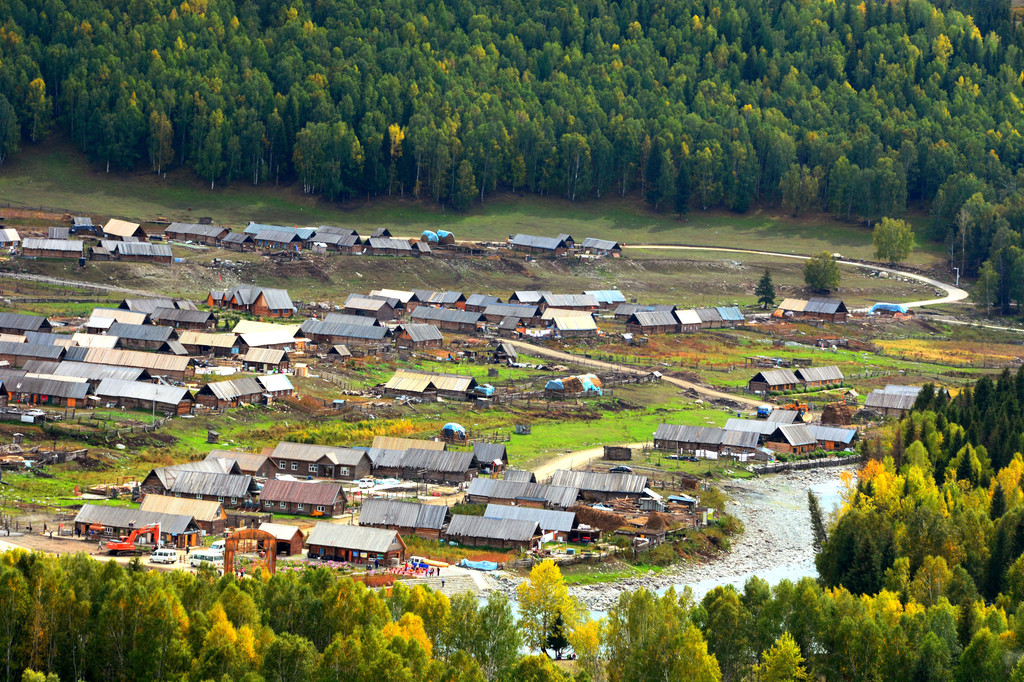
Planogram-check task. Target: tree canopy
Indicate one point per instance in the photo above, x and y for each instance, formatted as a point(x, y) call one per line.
point(821, 272)
point(894, 240)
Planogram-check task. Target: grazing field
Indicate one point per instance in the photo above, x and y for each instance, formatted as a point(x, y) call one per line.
point(55, 174)
point(954, 353)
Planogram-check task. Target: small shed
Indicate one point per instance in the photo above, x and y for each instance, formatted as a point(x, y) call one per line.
point(289, 538)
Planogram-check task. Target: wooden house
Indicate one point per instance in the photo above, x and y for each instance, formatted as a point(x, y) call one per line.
point(52, 248)
point(211, 235)
point(289, 538)
point(773, 380)
point(418, 336)
point(303, 497)
point(819, 377)
point(408, 518)
point(320, 461)
point(480, 531)
point(355, 544)
point(209, 515)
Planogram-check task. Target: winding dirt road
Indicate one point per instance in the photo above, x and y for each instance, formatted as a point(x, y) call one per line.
point(953, 294)
point(627, 369)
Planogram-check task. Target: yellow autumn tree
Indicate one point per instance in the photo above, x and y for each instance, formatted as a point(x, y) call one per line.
point(783, 661)
point(409, 628)
point(543, 597)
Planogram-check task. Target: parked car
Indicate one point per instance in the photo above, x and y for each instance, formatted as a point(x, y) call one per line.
point(621, 470)
point(164, 556)
point(365, 482)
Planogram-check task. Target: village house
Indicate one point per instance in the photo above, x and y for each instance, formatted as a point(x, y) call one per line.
point(16, 323)
point(140, 395)
point(94, 374)
point(364, 306)
point(892, 401)
point(254, 464)
point(209, 515)
point(355, 544)
point(265, 360)
point(599, 487)
point(607, 299)
point(680, 439)
point(195, 232)
point(827, 309)
point(418, 336)
point(44, 389)
point(219, 344)
point(140, 336)
point(479, 531)
point(574, 325)
point(325, 333)
point(601, 247)
point(140, 252)
point(432, 466)
point(199, 320)
point(477, 303)
point(203, 480)
point(340, 243)
point(521, 493)
point(819, 377)
point(504, 353)
point(282, 338)
point(832, 437)
point(407, 382)
point(440, 299)
point(664, 322)
point(238, 241)
point(408, 518)
point(546, 246)
point(102, 521)
point(794, 439)
point(772, 381)
point(275, 386)
point(709, 318)
point(625, 310)
point(175, 367)
point(689, 321)
point(33, 247)
point(289, 538)
point(459, 321)
point(230, 393)
point(123, 230)
point(386, 246)
point(320, 461)
point(492, 456)
point(16, 354)
point(258, 301)
point(557, 526)
point(303, 497)
point(584, 302)
point(526, 313)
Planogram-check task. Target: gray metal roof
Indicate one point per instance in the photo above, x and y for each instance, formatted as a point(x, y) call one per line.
point(32, 350)
point(332, 229)
point(361, 538)
point(606, 295)
point(833, 433)
point(795, 434)
point(904, 390)
point(24, 323)
point(488, 453)
point(759, 426)
point(549, 519)
point(512, 310)
point(739, 439)
point(281, 531)
point(47, 338)
point(237, 238)
point(302, 492)
point(343, 330)
point(143, 249)
point(91, 371)
point(600, 244)
point(519, 476)
point(730, 313)
point(233, 388)
point(378, 512)
point(600, 482)
point(124, 517)
point(389, 244)
point(306, 452)
point(438, 297)
point(368, 303)
point(708, 314)
point(883, 400)
point(445, 315)
point(528, 296)
point(570, 301)
point(206, 483)
point(140, 332)
point(627, 309)
point(278, 299)
point(257, 230)
point(420, 333)
point(275, 383)
point(481, 300)
point(194, 230)
point(444, 461)
point(277, 237)
point(178, 315)
point(776, 377)
point(829, 373)
point(47, 385)
point(268, 356)
point(531, 241)
point(783, 416)
point(681, 433)
point(827, 306)
point(147, 305)
point(480, 527)
point(141, 390)
point(381, 232)
point(552, 495)
point(82, 221)
point(344, 318)
point(653, 319)
point(53, 244)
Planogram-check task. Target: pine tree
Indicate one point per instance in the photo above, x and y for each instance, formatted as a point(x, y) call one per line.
point(683, 189)
point(765, 290)
point(818, 530)
point(998, 506)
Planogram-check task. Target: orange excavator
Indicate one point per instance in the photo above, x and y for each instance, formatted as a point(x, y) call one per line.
point(126, 543)
point(800, 408)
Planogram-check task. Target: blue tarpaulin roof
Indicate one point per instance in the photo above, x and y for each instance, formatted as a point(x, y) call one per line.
point(485, 389)
point(431, 236)
point(554, 385)
point(730, 313)
point(888, 308)
point(452, 427)
point(588, 384)
point(444, 233)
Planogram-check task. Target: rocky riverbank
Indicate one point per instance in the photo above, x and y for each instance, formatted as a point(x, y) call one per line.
point(776, 542)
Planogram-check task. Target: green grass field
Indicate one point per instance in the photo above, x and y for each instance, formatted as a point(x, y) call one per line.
point(56, 175)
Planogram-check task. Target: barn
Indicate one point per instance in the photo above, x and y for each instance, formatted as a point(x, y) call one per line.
point(408, 518)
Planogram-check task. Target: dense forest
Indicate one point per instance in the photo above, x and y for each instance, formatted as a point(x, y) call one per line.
point(857, 108)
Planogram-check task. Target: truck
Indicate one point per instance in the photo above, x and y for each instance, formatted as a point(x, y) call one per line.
point(763, 411)
point(126, 543)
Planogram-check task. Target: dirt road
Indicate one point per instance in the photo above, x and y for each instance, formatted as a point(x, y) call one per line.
point(573, 460)
point(681, 383)
point(953, 294)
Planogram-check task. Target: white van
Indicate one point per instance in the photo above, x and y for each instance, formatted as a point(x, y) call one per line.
point(164, 556)
point(196, 559)
point(218, 546)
